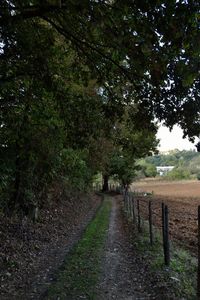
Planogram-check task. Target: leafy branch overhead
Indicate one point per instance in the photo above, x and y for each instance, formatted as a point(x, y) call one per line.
point(74, 72)
point(149, 48)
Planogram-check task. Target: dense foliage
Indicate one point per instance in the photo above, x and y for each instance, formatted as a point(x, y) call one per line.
point(81, 83)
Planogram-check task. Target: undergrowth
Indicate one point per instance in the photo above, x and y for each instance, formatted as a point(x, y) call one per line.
point(80, 272)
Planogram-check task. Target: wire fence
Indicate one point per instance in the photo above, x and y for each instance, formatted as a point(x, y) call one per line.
point(138, 209)
point(140, 206)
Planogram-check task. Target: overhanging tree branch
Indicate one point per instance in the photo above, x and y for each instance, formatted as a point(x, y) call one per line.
point(28, 12)
point(79, 42)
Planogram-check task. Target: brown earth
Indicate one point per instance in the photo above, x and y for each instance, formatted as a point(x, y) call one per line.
point(182, 199)
point(30, 254)
point(184, 188)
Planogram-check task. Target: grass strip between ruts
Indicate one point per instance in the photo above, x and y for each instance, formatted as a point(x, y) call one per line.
point(80, 272)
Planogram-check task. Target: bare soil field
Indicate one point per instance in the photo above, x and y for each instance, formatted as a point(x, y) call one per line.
point(182, 199)
point(184, 188)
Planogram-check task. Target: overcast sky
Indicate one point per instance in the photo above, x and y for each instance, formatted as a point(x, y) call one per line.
point(173, 140)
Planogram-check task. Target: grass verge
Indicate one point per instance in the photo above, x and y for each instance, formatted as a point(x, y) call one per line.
point(80, 272)
point(180, 276)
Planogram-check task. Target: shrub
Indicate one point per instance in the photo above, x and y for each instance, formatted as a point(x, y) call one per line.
point(178, 174)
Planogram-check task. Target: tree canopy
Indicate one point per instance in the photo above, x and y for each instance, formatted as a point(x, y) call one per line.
point(186, 164)
point(146, 50)
point(70, 73)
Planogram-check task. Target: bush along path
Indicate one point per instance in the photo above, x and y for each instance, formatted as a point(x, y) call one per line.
point(106, 264)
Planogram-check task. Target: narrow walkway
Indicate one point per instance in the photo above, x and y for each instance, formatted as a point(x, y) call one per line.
point(122, 276)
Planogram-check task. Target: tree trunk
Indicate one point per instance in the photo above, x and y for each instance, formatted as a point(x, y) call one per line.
point(15, 196)
point(22, 151)
point(105, 183)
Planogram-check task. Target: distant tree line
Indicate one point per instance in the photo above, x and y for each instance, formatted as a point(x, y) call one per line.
point(186, 164)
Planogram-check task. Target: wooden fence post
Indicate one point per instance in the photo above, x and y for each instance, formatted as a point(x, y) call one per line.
point(129, 205)
point(124, 194)
point(198, 270)
point(167, 246)
point(165, 232)
point(150, 224)
point(133, 208)
point(125, 200)
point(163, 226)
point(138, 211)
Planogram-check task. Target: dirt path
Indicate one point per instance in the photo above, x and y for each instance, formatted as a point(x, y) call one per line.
point(122, 274)
point(125, 271)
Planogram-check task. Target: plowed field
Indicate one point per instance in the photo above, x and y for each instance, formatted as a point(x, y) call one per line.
point(182, 199)
point(184, 188)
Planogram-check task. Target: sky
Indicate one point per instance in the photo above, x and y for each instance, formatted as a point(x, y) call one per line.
point(173, 140)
